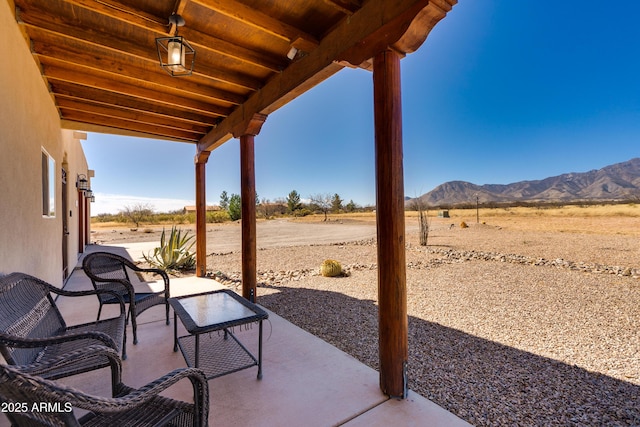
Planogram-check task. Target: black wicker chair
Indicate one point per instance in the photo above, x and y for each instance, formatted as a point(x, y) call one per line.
point(31, 400)
point(109, 271)
point(32, 328)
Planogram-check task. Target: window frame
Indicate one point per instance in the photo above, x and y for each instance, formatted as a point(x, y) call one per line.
point(48, 166)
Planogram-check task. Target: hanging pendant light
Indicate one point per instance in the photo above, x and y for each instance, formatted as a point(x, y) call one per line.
point(175, 53)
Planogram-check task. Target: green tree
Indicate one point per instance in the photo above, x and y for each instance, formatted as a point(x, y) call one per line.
point(235, 207)
point(336, 203)
point(293, 201)
point(351, 207)
point(224, 201)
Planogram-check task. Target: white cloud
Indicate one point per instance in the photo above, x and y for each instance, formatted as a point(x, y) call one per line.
point(114, 203)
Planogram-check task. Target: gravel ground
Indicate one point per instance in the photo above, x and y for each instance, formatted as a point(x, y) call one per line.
point(507, 326)
point(496, 339)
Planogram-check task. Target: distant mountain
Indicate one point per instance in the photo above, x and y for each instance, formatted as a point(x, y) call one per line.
point(616, 182)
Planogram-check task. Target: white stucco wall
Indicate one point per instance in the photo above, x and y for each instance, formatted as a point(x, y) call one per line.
point(29, 122)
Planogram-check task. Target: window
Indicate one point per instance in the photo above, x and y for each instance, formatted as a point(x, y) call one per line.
point(48, 185)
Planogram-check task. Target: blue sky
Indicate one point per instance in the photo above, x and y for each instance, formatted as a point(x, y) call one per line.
point(501, 91)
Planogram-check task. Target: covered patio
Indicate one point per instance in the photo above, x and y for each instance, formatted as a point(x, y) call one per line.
point(110, 67)
point(306, 380)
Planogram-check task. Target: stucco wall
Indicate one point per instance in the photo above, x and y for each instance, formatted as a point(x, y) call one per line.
point(29, 123)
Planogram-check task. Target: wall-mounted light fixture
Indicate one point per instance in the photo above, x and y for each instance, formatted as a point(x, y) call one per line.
point(81, 183)
point(175, 53)
point(89, 195)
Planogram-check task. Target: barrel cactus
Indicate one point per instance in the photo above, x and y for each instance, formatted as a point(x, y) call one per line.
point(330, 268)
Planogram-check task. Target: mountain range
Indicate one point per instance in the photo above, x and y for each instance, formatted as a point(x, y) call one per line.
point(615, 182)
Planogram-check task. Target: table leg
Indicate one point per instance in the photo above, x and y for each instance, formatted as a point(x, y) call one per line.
point(175, 331)
point(260, 351)
point(197, 355)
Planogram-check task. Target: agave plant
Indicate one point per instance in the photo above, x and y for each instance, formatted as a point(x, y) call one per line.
point(174, 252)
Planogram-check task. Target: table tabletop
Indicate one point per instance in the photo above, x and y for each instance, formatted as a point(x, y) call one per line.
point(210, 311)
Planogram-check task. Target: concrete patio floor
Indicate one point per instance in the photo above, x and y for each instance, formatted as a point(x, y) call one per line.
point(306, 381)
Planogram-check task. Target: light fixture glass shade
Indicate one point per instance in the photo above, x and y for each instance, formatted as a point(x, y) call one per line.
point(176, 55)
point(82, 184)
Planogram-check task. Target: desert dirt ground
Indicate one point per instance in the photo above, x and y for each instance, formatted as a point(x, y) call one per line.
point(526, 317)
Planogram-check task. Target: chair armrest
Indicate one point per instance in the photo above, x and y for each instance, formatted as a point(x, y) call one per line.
point(66, 293)
point(198, 381)
point(161, 273)
point(195, 375)
point(69, 359)
point(19, 342)
point(135, 398)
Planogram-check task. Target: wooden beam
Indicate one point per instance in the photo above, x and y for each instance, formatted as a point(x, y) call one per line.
point(39, 21)
point(55, 73)
point(257, 19)
point(248, 198)
point(89, 95)
point(141, 19)
point(340, 44)
point(392, 286)
point(232, 50)
point(201, 214)
point(102, 63)
point(348, 7)
point(97, 119)
point(122, 12)
point(124, 114)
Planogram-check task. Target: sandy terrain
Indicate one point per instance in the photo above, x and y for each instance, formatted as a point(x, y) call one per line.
point(522, 320)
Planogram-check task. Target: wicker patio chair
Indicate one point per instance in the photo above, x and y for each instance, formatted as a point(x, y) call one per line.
point(54, 403)
point(109, 271)
point(32, 328)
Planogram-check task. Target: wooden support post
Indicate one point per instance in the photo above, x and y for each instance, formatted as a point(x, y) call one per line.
point(248, 196)
point(201, 214)
point(392, 290)
point(246, 133)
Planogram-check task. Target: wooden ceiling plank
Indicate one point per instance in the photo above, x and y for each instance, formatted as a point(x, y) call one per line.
point(125, 13)
point(53, 24)
point(214, 44)
point(98, 96)
point(348, 7)
point(55, 73)
point(129, 15)
point(103, 63)
point(257, 19)
point(350, 34)
point(132, 125)
point(129, 125)
point(123, 113)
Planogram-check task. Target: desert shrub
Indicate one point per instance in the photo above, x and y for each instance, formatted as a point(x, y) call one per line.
point(171, 217)
point(302, 212)
point(173, 253)
point(104, 217)
point(463, 225)
point(218, 217)
point(330, 268)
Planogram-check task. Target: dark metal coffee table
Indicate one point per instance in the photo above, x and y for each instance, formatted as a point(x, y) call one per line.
point(216, 313)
